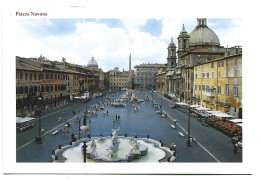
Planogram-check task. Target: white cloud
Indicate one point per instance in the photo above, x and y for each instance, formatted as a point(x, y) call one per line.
point(110, 46)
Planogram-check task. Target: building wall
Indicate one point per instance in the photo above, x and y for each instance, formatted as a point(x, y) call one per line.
point(161, 80)
point(145, 76)
point(218, 85)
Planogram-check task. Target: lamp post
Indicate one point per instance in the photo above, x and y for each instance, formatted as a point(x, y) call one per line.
point(84, 150)
point(84, 127)
point(188, 140)
point(39, 139)
point(79, 127)
point(189, 102)
point(89, 126)
point(152, 96)
point(161, 103)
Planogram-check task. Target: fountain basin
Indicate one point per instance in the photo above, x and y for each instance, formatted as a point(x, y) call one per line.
point(148, 151)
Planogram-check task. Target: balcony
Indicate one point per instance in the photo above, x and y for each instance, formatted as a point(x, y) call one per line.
point(210, 92)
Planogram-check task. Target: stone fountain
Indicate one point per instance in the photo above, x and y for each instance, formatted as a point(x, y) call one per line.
point(115, 149)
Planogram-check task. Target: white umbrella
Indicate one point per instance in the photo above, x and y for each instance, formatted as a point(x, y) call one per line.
point(202, 108)
point(183, 104)
point(194, 106)
point(236, 120)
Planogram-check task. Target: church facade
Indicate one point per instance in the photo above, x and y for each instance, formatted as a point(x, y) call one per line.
point(187, 82)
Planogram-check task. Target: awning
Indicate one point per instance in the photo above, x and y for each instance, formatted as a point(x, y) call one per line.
point(21, 120)
point(182, 104)
point(236, 120)
point(220, 114)
point(202, 108)
point(195, 106)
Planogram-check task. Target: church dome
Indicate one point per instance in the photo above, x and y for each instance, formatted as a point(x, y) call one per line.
point(92, 63)
point(202, 35)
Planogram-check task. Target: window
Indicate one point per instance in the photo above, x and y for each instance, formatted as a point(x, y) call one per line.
point(21, 76)
point(46, 76)
point(218, 64)
point(200, 87)
point(34, 76)
point(222, 63)
point(30, 76)
point(26, 89)
point(203, 75)
point(26, 76)
point(235, 91)
point(196, 76)
point(212, 74)
point(226, 72)
point(195, 87)
point(235, 73)
point(207, 87)
point(212, 64)
point(226, 89)
point(226, 62)
point(219, 73)
point(207, 75)
point(219, 89)
point(235, 61)
point(203, 88)
point(51, 76)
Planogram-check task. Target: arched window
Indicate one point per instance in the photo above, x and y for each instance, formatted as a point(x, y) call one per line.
point(35, 89)
point(26, 89)
point(30, 90)
point(20, 90)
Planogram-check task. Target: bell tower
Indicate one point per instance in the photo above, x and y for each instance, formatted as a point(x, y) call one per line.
point(171, 59)
point(183, 42)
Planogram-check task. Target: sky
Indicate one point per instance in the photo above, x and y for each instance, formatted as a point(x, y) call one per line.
point(110, 41)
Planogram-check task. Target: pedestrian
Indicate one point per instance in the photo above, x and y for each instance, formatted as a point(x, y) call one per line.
point(113, 121)
point(42, 131)
point(116, 117)
point(73, 137)
point(67, 131)
point(59, 120)
point(107, 111)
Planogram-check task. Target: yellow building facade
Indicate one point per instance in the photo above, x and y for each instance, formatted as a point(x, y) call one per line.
point(161, 80)
point(218, 83)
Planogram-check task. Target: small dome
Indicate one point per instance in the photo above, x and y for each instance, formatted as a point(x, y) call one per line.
point(92, 63)
point(202, 35)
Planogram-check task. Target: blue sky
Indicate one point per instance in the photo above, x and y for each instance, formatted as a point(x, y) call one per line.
point(110, 41)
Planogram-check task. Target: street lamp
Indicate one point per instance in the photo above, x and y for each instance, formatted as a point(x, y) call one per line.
point(84, 127)
point(79, 127)
point(161, 103)
point(39, 139)
point(189, 104)
point(90, 127)
point(84, 150)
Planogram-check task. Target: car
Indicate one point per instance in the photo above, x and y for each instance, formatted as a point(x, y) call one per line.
point(240, 143)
